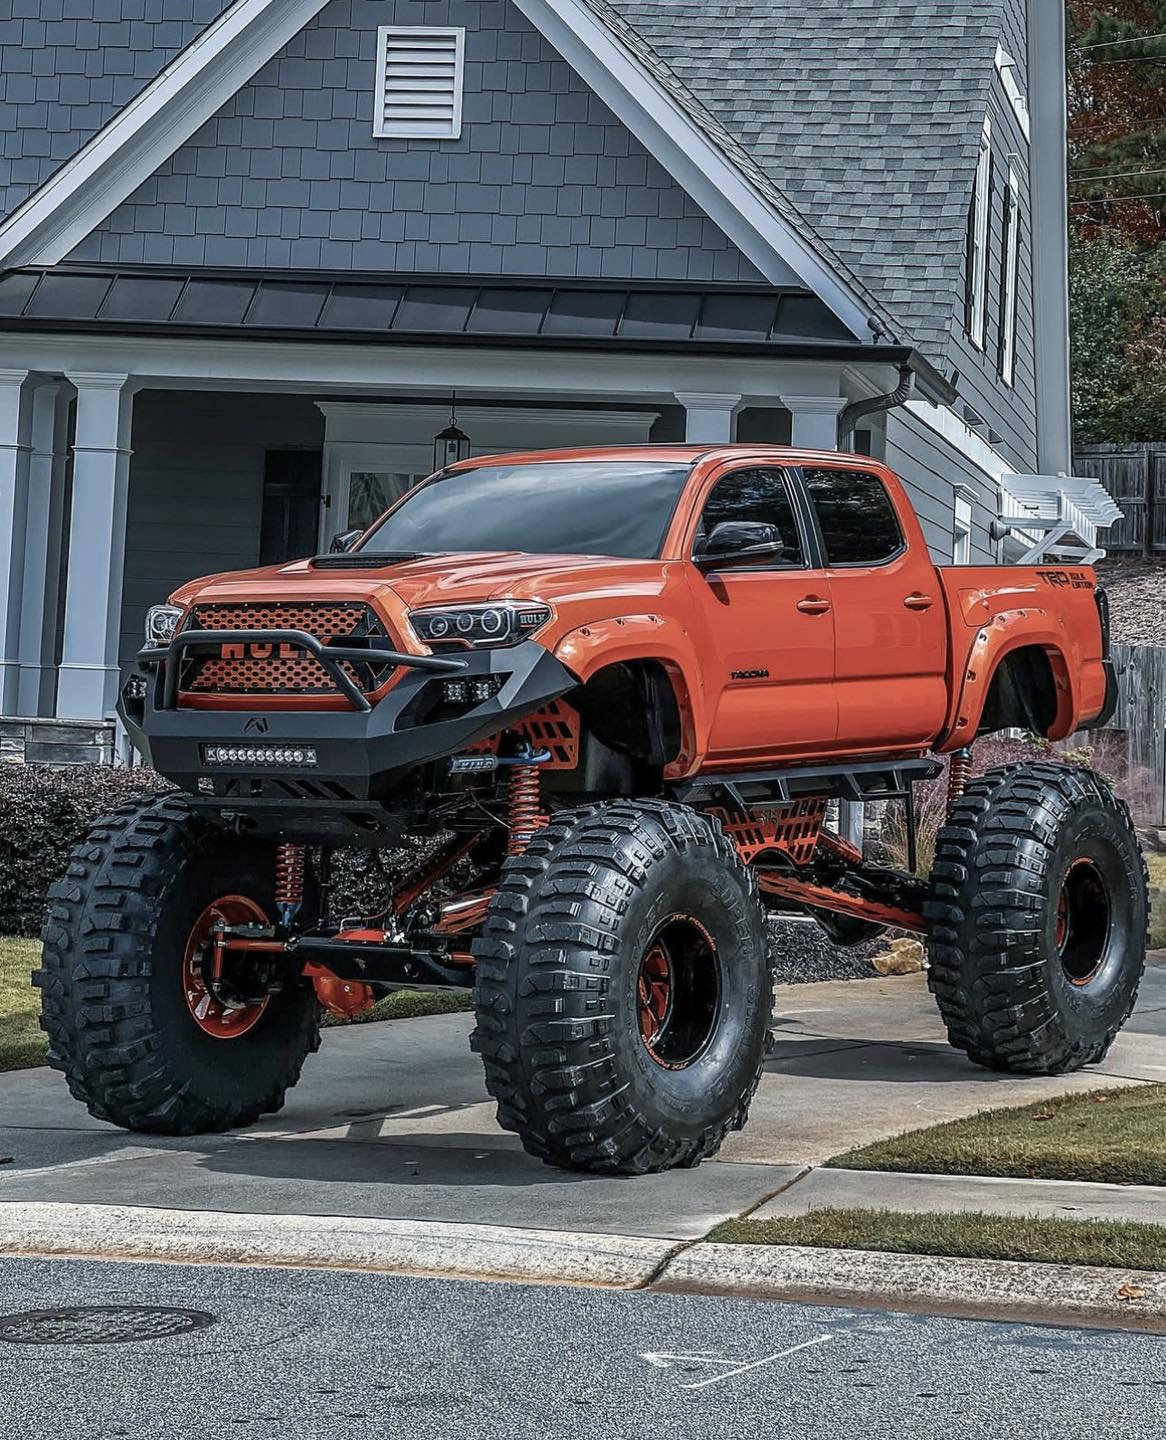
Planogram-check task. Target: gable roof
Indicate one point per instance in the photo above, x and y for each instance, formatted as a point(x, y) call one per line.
point(64, 76)
point(861, 119)
point(832, 142)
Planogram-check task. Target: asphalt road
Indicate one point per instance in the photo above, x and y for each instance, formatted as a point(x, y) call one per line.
point(306, 1354)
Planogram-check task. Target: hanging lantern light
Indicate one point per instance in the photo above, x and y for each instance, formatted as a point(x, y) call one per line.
point(452, 444)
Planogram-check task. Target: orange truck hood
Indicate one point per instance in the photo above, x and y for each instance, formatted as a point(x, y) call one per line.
point(582, 588)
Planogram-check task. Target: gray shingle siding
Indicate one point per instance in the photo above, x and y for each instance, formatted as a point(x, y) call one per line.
point(196, 488)
point(1011, 413)
point(544, 181)
point(68, 66)
point(933, 468)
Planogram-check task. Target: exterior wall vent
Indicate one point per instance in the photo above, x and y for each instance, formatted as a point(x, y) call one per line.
point(420, 78)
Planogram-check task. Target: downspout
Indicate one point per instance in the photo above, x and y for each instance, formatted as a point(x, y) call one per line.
point(859, 409)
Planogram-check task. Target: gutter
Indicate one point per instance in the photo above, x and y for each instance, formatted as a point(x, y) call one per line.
point(913, 371)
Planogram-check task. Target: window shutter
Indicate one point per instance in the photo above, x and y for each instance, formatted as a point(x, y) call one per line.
point(420, 76)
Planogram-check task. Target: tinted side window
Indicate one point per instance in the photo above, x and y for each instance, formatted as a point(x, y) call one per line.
point(759, 496)
point(859, 524)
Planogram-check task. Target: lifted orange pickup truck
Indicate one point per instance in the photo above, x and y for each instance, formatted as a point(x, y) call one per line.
point(608, 696)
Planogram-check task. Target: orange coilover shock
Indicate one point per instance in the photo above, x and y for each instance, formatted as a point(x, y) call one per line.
point(525, 815)
point(959, 772)
point(289, 882)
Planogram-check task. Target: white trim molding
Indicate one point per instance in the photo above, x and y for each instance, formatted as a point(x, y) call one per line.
point(961, 437)
point(692, 158)
point(1010, 279)
point(1007, 69)
point(139, 139)
point(980, 237)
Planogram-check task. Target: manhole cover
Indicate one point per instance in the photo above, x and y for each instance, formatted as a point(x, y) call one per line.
point(100, 1325)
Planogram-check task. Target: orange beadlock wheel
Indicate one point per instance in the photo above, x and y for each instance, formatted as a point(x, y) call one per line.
point(222, 1019)
point(678, 992)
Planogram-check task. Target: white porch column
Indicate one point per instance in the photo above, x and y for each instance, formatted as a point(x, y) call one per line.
point(15, 448)
point(87, 687)
point(42, 561)
point(709, 417)
point(815, 420)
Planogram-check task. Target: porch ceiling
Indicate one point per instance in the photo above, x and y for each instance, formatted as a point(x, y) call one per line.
point(759, 321)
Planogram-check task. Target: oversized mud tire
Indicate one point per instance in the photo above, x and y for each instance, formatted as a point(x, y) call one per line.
point(624, 990)
point(114, 992)
point(1038, 915)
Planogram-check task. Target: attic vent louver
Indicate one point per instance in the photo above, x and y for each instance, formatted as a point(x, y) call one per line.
point(420, 72)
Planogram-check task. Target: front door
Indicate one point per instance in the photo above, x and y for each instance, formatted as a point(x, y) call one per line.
point(768, 630)
point(889, 618)
point(291, 505)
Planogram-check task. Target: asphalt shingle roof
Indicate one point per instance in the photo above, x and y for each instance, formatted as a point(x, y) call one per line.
point(859, 119)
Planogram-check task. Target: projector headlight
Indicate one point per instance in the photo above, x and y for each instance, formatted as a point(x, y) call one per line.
point(162, 624)
point(505, 622)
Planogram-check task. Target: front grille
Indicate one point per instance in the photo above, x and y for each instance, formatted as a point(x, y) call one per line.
point(262, 669)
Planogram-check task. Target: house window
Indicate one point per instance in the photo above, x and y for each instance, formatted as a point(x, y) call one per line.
point(1010, 279)
point(979, 230)
point(420, 78)
point(961, 550)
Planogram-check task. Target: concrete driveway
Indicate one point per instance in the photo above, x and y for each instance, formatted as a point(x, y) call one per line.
point(393, 1121)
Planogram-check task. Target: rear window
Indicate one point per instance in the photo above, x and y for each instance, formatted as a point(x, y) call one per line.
point(618, 508)
point(858, 522)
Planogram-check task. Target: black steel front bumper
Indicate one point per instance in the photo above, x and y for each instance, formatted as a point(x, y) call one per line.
point(358, 753)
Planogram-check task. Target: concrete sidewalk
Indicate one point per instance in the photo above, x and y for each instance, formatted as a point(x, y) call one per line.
point(949, 1194)
point(393, 1122)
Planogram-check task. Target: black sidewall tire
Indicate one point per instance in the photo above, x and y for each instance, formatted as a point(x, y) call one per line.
point(680, 1101)
point(1102, 1004)
point(555, 989)
point(220, 1071)
point(112, 999)
point(995, 965)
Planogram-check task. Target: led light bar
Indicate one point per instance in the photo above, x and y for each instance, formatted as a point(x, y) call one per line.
point(296, 757)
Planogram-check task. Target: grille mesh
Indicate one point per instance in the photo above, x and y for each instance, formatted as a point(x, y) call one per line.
point(274, 670)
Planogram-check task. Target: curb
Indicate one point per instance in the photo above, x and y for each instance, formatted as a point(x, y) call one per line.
point(982, 1289)
point(407, 1247)
point(977, 1289)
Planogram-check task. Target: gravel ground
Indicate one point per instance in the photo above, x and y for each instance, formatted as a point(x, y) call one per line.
point(804, 954)
point(1137, 598)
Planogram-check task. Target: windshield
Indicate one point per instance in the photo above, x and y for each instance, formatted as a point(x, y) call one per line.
point(619, 508)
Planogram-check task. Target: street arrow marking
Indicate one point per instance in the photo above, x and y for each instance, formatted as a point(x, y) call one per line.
point(665, 1361)
point(757, 1364)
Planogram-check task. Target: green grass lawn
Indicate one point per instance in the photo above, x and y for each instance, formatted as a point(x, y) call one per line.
point(410, 1004)
point(1114, 1136)
point(982, 1237)
point(22, 1042)
point(1156, 864)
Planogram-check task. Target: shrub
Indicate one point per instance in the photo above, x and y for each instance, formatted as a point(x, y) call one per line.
point(1104, 753)
point(44, 813)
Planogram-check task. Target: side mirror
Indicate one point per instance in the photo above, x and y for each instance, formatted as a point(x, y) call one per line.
point(738, 541)
point(342, 543)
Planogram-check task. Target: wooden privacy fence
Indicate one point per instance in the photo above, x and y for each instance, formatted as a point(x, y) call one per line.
point(1135, 475)
point(1137, 732)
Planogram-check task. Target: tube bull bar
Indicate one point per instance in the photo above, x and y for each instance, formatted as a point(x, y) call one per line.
point(331, 658)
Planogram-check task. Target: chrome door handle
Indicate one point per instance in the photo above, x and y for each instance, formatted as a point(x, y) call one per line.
point(919, 602)
point(814, 605)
